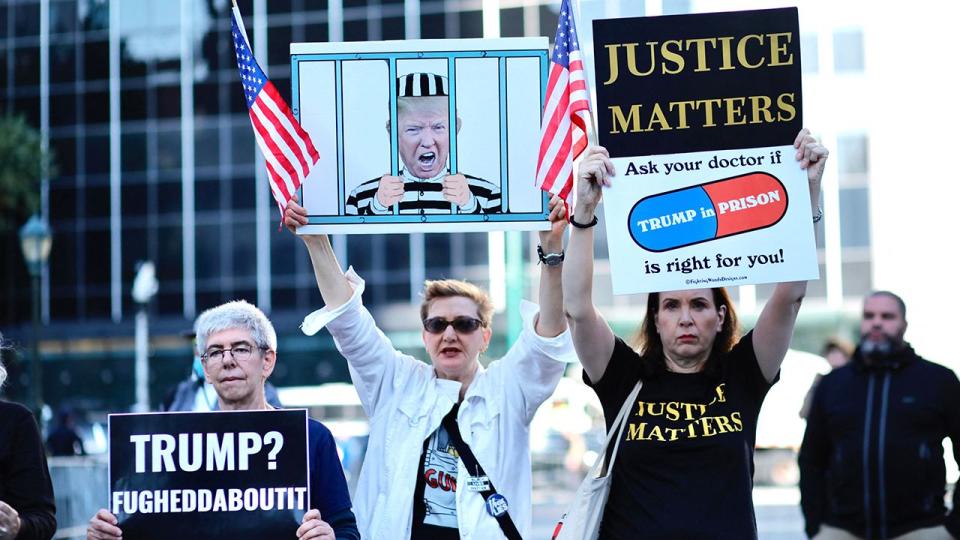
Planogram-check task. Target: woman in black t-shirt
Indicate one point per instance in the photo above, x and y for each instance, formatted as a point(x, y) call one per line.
point(685, 465)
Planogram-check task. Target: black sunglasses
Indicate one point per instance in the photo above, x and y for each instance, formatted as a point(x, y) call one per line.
point(461, 325)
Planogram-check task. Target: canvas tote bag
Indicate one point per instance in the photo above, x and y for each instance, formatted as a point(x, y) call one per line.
point(582, 518)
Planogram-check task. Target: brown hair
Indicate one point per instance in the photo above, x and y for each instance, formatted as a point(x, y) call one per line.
point(838, 343)
point(647, 341)
point(448, 288)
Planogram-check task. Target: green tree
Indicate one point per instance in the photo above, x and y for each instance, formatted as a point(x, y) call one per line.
point(22, 164)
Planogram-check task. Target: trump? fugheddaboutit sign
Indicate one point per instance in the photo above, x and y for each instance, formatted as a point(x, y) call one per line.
point(699, 113)
point(238, 475)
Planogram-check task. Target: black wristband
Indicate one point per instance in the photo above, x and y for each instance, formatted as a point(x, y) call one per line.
point(584, 225)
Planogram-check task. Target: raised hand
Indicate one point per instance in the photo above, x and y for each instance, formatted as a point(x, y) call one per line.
point(294, 215)
point(552, 240)
point(594, 173)
point(812, 156)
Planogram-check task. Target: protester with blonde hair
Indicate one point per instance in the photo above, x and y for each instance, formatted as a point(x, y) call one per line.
point(449, 452)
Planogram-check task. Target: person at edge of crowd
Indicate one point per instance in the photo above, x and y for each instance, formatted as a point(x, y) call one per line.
point(871, 461)
point(837, 352)
point(412, 484)
point(27, 509)
point(64, 441)
point(196, 394)
point(240, 353)
point(685, 462)
point(423, 136)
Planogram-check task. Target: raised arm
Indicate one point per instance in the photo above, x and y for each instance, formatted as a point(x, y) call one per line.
point(551, 322)
point(592, 336)
point(334, 287)
point(771, 336)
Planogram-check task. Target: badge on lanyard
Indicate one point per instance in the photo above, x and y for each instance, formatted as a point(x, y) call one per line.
point(478, 484)
point(497, 505)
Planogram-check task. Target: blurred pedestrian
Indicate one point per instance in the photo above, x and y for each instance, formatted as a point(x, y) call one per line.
point(239, 347)
point(64, 440)
point(684, 468)
point(837, 352)
point(27, 510)
point(871, 462)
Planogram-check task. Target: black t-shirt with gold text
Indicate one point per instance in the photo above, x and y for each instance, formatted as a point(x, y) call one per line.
point(685, 465)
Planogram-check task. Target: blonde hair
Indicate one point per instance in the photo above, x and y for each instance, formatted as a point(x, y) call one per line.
point(448, 288)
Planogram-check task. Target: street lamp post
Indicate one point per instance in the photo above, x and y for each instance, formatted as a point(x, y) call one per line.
point(35, 242)
point(144, 287)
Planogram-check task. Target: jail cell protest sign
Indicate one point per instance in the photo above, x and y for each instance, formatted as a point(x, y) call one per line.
point(424, 111)
point(238, 475)
point(699, 113)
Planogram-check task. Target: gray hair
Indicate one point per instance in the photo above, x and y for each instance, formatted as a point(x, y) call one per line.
point(236, 314)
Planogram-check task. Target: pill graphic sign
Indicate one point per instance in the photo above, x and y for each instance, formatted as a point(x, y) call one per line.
point(709, 219)
point(709, 211)
point(699, 113)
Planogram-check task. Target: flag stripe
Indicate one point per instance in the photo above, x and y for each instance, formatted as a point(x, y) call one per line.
point(284, 123)
point(272, 151)
point(563, 134)
point(288, 152)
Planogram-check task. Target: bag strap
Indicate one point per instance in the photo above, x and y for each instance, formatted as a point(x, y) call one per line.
point(449, 423)
point(616, 428)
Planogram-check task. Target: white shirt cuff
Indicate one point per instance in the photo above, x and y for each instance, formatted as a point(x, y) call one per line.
point(315, 321)
point(560, 348)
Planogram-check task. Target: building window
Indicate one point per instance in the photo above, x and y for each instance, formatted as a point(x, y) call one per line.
point(855, 217)
point(676, 7)
point(848, 51)
point(810, 53)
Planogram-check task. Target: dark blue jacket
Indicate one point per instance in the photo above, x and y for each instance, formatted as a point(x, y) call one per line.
point(328, 487)
point(871, 461)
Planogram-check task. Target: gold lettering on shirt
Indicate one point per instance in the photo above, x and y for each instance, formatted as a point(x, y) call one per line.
point(690, 420)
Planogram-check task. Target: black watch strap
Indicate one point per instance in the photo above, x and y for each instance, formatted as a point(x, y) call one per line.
point(550, 259)
point(584, 225)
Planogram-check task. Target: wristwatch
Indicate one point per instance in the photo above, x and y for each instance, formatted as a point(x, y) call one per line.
point(549, 259)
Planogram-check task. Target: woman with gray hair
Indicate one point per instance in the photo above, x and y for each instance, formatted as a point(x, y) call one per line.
point(27, 511)
point(238, 347)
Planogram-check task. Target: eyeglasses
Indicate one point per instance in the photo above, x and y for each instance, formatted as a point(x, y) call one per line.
point(240, 353)
point(461, 325)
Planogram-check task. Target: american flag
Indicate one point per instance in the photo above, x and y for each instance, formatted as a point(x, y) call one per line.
point(288, 150)
point(563, 131)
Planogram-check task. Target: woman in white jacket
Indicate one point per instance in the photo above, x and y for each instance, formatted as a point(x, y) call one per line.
point(412, 484)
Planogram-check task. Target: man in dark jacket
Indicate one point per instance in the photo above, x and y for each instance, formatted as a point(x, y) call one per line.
point(871, 463)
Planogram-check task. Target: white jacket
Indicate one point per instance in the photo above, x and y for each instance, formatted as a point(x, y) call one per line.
point(405, 402)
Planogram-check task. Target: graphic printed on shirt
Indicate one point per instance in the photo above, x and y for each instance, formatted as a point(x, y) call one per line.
point(440, 481)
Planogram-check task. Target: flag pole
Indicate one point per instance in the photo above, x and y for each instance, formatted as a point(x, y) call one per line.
point(592, 132)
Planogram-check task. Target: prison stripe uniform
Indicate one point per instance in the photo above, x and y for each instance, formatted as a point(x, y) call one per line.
point(425, 197)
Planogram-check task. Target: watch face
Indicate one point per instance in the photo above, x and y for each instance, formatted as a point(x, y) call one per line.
point(549, 259)
point(553, 259)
